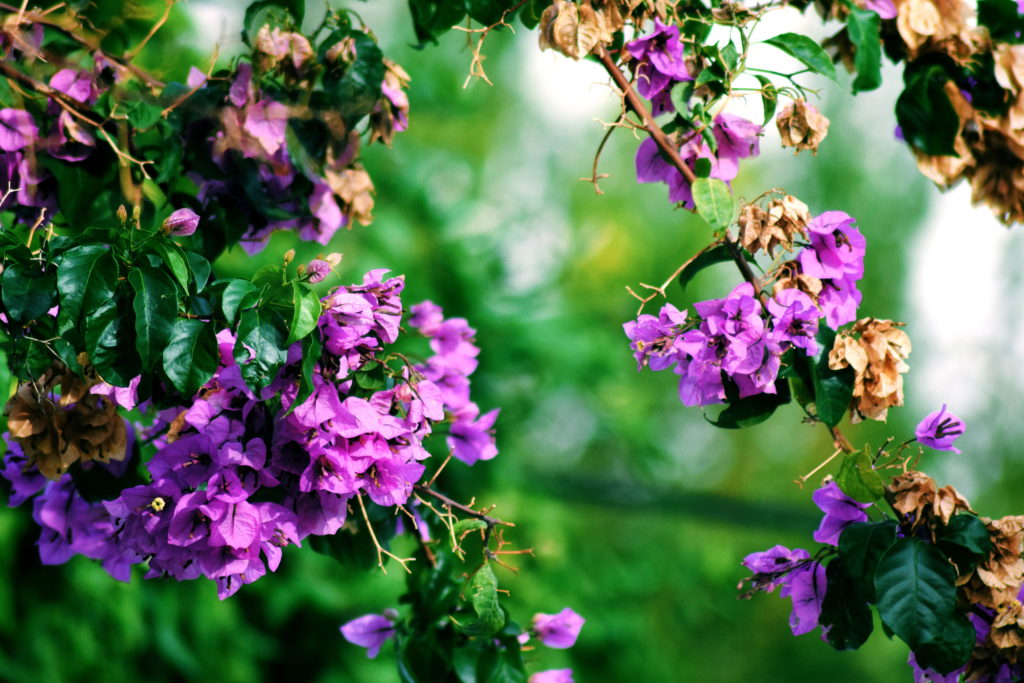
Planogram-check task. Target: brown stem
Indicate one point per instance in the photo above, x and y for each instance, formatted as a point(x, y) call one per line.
point(491, 521)
point(649, 124)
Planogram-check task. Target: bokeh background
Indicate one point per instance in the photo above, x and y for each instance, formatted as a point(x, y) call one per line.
point(638, 510)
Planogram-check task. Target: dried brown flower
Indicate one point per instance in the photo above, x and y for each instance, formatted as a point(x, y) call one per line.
point(801, 126)
point(785, 220)
point(876, 350)
point(571, 29)
point(997, 579)
point(354, 187)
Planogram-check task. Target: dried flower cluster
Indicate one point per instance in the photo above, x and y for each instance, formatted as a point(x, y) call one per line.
point(783, 221)
point(877, 351)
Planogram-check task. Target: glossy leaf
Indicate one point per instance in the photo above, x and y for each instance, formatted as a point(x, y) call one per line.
point(173, 258)
point(844, 609)
point(833, 389)
point(191, 355)
point(805, 50)
point(858, 479)
point(862, 545)
point(237, 296)
point(924, 112)
point(714, 202)
point(949, 650)
point(719, 254)
point(27, 292)
point(156, 308)
point(483, 595)
point(261, 348)
point(915, 591)
point(306, 311)
point(86, 280)
point(864, 29)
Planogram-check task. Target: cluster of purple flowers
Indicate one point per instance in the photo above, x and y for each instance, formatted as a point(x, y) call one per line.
point(836, 257)
point(660, 65)
point(735, 336)
point(233, 482)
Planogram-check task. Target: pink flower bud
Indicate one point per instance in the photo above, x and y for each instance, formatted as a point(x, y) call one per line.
point(182, 222)
point(318, 269)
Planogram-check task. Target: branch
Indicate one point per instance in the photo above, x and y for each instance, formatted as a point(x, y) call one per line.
point(491, 521)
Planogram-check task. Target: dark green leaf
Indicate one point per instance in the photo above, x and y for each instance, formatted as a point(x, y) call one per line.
point(719, 254)
point(283, 13)
point(264, 333)
point(86, 280)
point(951, 648)
point(806, 51)
point(862, 545)
point(858, 479)
point(311, 347)
point(967, 533)
point(200, 269)
point(191, 356)
point(1003, 20)
point(924, 112)
point(752, 410)
point(431, 18)
point(173, 259)
point(844, 609)
point(702, 168)
point(355, 94)
point(915, 590)
point(305, 312)
point(487, 12)
point(833, 389)
point(28, 292)
point(156, 310)
point(110, 342)
point(238, 295)
point(483, 595)
point(864, 28)
point(714, 202)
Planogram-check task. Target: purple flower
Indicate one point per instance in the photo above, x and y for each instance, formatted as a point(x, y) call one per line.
point(652, 338)
point(737, 137)
point(837, 248)
point(317, 270)
point(661, 60)
point(369, 631)
point(939, 429)
point(17, 129)
point(930, 676)
point(794, 320)
point(182, 222)
point(887, 10)
point(558, 630)
point(840, 511)
point(771, 567)
point(552, 676)
point(806, 588)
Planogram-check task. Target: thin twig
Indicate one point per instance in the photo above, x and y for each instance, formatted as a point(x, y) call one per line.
point(491, 521)
point(381, 551)
point(130, 55)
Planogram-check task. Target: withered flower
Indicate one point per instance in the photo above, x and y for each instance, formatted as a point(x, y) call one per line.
point(801, 126)
point(997, 579)
point(785, 220)
point(876, 350)
point(571, 29)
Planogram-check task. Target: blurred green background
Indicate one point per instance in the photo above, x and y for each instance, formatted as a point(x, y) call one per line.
point(638, 510)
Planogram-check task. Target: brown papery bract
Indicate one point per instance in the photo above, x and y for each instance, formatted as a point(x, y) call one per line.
point(877, 351)
point(801, 126)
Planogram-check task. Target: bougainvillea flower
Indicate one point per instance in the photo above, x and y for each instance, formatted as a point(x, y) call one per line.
point(370, 631)
point(806, 588)
point(558, 630)
point(661, 60)
point(939, 429)
point(182, 222)
point(17, 129)
point(840, 512)
point(887, 10)
point(794, 320)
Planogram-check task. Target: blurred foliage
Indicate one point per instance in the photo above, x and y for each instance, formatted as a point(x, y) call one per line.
point(639, 512)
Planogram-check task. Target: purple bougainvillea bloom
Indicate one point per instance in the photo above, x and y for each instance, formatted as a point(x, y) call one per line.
point(930, 676)
point(794, 320)
point(558, 630)
point(771, 567)
point(17, 129)
point(369, 631)
point(552, 676)
point(317, 270)
point(661, 60)
point(840, 511)
point(182, 222)
point(887, 10)
point(737, 137)
point(806, 588)
point(939, 430)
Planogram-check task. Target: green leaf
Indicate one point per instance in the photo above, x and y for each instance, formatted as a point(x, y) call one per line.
point(714, 202)
point(311, 348)
point(483, 594)
point(110, 342)
point(858, 479)
point(486, 12)
point(806, 51)
point(719, 254)
point(156, 309)
point(965, 535)
point(923, 110)
point(951, 648)
point(702, 168)
point(86, 280)
point(752, 410)
point(1003, 20)
point(200, 269)
point(464, 525)
point(862, 545)
point(864, 28)
point(833, 389)
point(306, 311)
point(355, 94)
point(27, 292)
point(238, 295)
point(191, 356)
point(431, 18)
point(273, 12)
point(173, 258)
point(769, 98)
point(844, 609)
point(263, 331)
point(915, 590)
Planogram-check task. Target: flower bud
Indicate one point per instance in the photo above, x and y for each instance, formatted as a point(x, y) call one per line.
point(333, 259)
point(289, 256)
point(181, 223)
point(122, 214)
point(318, 269)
